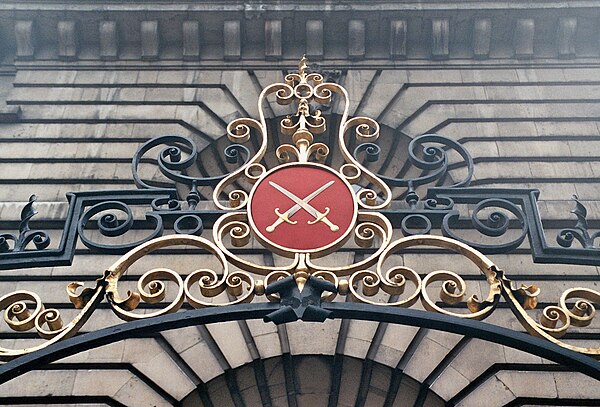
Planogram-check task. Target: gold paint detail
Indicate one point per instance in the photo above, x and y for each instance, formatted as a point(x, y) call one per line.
point(393, 280)
point(554, 320)
point(152, 288)
point(47, 322)
point(24, 310)
point(263, 238)
point(307, 91)
point(303, 204)
point(387, 285)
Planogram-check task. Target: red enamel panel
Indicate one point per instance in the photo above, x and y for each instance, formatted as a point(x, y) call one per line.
point(302, 181)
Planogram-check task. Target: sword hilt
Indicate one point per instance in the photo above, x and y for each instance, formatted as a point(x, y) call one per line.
point(323, 218)
point(281, 217)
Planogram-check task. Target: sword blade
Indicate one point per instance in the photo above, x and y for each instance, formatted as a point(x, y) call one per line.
point(294, 209)
point(301, 202)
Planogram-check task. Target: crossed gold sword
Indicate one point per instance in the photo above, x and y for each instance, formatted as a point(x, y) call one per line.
point(301, 204)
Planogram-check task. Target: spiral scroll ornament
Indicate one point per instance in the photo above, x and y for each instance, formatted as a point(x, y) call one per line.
point(20, 242)
point(394, 280)
point(115, 219)
point(576, 308)
point(304, 211)
point(24, 310)
point(495, 225)
point(580, 232)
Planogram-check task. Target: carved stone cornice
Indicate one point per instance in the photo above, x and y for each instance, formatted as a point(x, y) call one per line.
point(382, 31)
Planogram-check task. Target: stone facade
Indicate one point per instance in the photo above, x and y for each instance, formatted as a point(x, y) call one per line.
point(83, 84)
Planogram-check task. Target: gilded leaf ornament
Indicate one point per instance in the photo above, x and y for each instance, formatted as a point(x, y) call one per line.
point(302, 210)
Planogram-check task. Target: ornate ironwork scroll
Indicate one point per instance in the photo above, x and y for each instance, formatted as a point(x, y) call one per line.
point(300, 290)
point(40, 239)
point(304, 211)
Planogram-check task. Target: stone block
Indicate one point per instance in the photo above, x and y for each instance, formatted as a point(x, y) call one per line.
point(533, 148)
point(313, 338)
point(398, 30)
point(356, 39)
point(482, 35)
point(150, 40)
point(273, 39)
point(440, 38)
point(58, 382)
point(232, 343)
point(191, 40)
point(25, 39)
point(523, 37)
point(67, 40)
point(160, 368)
point(566, 36)
point(314, 39)
point(109, 40)
point(232, 40)
point(202, 360)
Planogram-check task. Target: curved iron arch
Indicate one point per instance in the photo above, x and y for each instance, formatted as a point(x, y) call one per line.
point(357, 311)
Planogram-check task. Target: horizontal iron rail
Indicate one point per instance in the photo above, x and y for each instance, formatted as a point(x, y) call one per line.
point(356, 311)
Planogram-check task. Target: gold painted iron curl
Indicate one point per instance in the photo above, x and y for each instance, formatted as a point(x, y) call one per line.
point(453, 286)
point(223, 227)
point(51, 318)
point(292, 78)
point(210, 286)
point(367, 197)
point(351, 173)
point(555, 321)
point(150, 285)
point(21, 318)
point(284, 94)
point(153, 281)
point(323, 93)
point(370, 225)
point(452, 291)
point(551, 317)
point(254, 172)
point(239, 130)
point(237, 199)
point(239, 232)
point(16, 313)
point(287, 126)
point(314, 78)
point(393, 282)
point(583, 311)
point(528, 295)
point(319, 151)
point(327, 276)
point(286, 153)
point(370, 286)
point(366, 129)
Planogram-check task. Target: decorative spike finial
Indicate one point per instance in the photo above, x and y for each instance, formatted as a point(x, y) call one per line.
point(303, 65)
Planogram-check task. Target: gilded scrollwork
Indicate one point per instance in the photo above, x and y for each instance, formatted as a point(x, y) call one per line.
point(554, 320)
point(365, 130)
point(151, 287)
point(24, 310)
point(232, 229)
point(306, 278)
point(393, 280)
point(372, 230)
